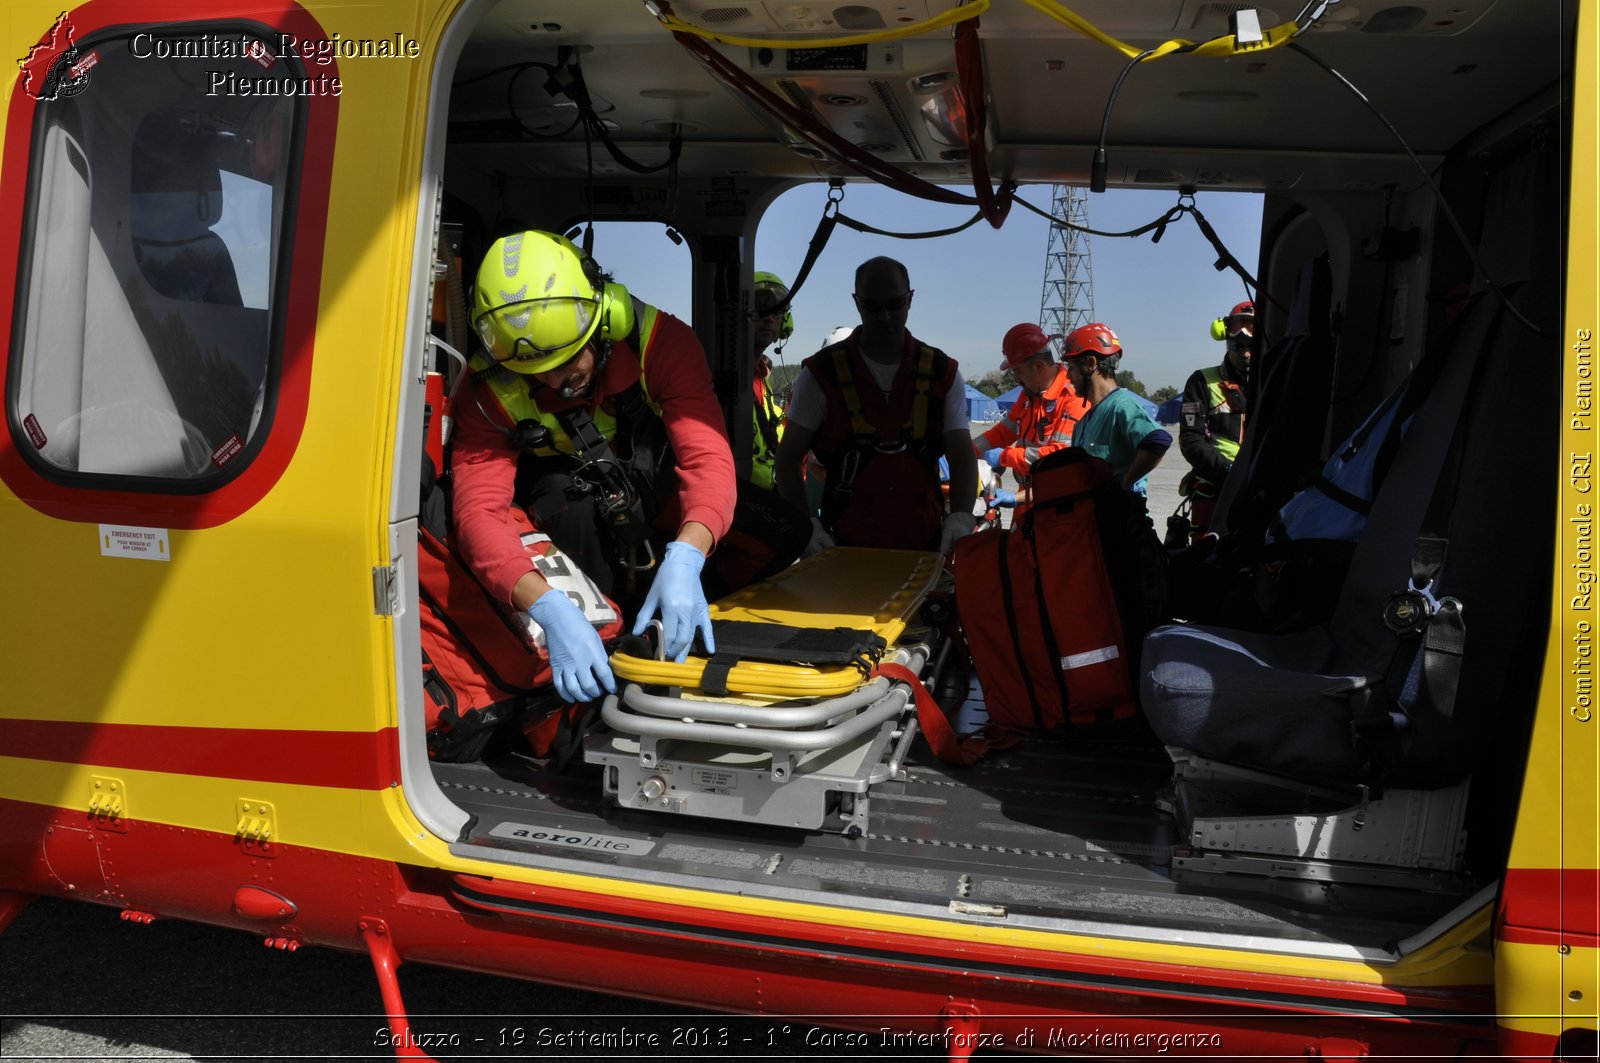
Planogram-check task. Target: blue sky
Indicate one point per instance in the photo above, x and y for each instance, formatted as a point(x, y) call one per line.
point(972, 287)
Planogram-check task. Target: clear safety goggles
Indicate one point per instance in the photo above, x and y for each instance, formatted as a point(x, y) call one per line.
point(536, 327)
point(767, 300)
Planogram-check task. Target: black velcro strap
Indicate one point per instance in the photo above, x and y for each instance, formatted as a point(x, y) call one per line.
point(1441, 660)
point(714, 679)
point(754, 641)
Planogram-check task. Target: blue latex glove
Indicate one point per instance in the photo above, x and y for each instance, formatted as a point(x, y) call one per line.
point(681, 601)
point(993, 458)
point(577, 658)
point(1004, 499)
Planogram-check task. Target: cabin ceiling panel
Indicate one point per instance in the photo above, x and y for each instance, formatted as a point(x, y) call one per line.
point(1438, 76)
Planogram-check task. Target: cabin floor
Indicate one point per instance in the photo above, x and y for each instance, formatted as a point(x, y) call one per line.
point(1046, 834)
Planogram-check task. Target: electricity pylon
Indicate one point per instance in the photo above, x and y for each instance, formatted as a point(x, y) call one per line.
point(1068, 298)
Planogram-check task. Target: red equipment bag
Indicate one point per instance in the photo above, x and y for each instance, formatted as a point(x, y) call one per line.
point(485, 669)
point(1055, 609)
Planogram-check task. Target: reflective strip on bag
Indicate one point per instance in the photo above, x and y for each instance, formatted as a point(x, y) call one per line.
point(1088, 657)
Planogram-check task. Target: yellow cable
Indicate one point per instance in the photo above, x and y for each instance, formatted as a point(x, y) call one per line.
point(949, 18)
point(1077, 22)
point(1218, 46)
point(1271, 38)
point(1224, 46)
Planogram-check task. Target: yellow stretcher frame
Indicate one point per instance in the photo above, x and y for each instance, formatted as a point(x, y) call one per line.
point(851, 587)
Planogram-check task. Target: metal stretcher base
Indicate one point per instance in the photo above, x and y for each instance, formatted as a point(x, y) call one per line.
point(785, 743)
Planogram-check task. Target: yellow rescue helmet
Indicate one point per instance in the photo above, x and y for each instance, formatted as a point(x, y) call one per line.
point(536, 305)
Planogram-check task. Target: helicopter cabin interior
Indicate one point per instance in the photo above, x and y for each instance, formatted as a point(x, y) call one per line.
point(553, 113)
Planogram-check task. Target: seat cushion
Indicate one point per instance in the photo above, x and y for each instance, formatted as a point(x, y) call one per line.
point(1251, 698)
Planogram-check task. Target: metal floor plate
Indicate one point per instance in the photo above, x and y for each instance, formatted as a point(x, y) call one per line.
point(1044, 833)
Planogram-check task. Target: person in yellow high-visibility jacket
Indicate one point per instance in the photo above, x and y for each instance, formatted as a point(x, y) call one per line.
point(770, 328)
point(1213, 415)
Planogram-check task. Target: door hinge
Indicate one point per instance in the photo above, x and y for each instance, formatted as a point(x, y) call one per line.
point(108, 802)
point(256, 829)
point(386, 589)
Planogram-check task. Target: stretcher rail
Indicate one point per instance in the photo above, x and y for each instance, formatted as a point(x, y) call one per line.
point(780, 731)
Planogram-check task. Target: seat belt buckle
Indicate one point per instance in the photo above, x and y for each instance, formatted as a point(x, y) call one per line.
point(1407, 612)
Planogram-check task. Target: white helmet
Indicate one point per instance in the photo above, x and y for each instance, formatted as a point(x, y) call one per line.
point(838, 335)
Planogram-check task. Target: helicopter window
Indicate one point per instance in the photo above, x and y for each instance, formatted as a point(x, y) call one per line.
point(151, 287)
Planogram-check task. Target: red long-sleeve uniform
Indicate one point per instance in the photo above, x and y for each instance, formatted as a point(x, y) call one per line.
point(484, 463)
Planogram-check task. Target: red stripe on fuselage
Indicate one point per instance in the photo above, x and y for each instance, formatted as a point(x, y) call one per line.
point(1551, 905)
point(350, 760)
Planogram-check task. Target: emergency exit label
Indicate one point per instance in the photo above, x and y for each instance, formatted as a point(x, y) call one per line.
point(121, 540)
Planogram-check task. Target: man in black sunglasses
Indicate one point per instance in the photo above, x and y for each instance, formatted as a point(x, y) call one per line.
point(879, 409)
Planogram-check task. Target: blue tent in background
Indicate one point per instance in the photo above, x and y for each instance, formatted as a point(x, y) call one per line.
point(1004, 403)
point(1149, 407)
point(980, 407)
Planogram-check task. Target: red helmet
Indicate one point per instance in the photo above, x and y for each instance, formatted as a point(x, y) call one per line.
point(1094, 339)
point(1023, 342)
point(1244, 309)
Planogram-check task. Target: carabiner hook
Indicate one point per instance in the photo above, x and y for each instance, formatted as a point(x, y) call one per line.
point(835, 197)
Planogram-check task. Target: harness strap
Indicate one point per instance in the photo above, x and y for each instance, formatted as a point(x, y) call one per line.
point(622, 502)
point(920, 396)
point(1372, 729)
point(1347, 499)
point(766, 417)
point(852, 397)
point(1446, 641)
point(1445, 635)
point(931, 718)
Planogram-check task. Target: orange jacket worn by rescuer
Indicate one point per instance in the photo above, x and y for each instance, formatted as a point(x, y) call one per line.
point(1042, 418)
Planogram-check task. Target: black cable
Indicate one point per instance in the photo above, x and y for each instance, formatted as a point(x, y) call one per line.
point(486, 75)
point(1097, 167)
point(1225, 258)
point(511, 88)
point(863, 227)
point(1160, 223)
point(578, 91)
point(511, 104)
point(1444, 206)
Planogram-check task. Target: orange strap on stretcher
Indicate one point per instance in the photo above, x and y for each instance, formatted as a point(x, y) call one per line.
point(930, 717)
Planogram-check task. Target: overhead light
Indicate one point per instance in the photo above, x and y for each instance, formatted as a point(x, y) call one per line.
point(929, 82)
